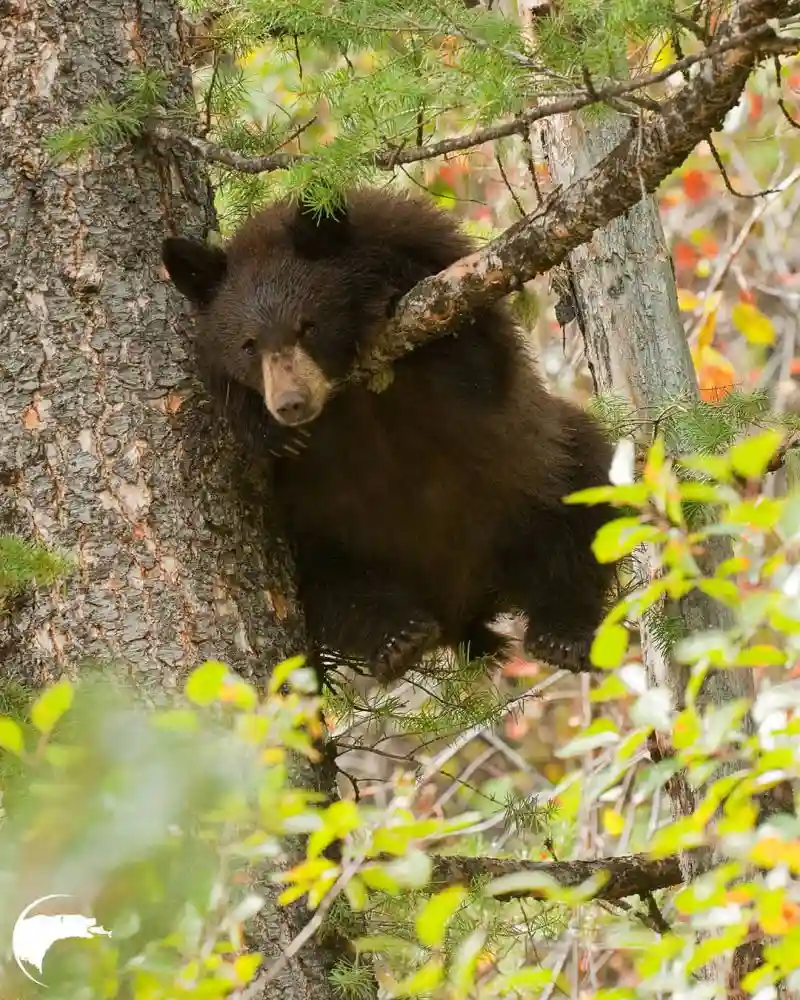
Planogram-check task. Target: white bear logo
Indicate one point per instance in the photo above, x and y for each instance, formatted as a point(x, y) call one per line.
point(34, 936)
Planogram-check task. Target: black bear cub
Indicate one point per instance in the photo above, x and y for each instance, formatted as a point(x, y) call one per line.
point(419, 513)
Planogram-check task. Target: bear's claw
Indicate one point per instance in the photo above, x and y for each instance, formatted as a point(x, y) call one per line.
point(571, 655)
point(403, 651)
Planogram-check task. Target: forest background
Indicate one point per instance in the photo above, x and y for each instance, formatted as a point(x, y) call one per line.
point(527, 833)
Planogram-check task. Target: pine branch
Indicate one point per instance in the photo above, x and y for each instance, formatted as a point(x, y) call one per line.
point(628, 876)
point(759, 36)
point(568, 218)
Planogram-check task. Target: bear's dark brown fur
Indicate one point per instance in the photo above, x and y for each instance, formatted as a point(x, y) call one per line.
point(419, 513)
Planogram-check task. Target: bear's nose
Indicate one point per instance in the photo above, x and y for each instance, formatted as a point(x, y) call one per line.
point(291, 407)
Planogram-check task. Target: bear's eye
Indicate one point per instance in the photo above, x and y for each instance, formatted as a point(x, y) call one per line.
point(306, 330)
point(249, 347)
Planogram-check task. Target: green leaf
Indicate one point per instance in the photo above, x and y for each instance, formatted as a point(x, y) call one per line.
point(761, 655)
point(723, 591)
point(601, 733)
point(11, 736)
point(702, 493)
point(716, 466)
point(620, 496)
point(465, 962)
point(790, 517)
point(620, 537)
point(412, 871)
point(423, 981)
point(356, 894)
point(178, 720)
point(535, 884)
point(283, 671)
point(724, 942)
point(595, 494)
point(377, 877)
point(611, 688)
point(609, 646)
point(437, 913)
point(382, 944)
point(760, 513)
point(394, 840)
point(524, 980)
point(204, 684)
point(51, 705)
point(656, 457)
point(687, 729)
point(712, 644)
point(631, 745)
point(682, 835)
point(751, 457)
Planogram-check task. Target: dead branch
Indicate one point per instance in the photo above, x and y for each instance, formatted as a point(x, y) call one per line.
point(628, 876)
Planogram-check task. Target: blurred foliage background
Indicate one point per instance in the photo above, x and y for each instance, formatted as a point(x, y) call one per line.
point(152, 820)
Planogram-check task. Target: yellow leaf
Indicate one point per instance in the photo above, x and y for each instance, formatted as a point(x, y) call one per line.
point(248, 58)
point(613, 822)
point(291, 894)
point(751, 457)
point(768, 852)
point(705, 335)
point(688, 301)
point(781, 919)
point(753, 324)
point(665, 54)
point(437, 913)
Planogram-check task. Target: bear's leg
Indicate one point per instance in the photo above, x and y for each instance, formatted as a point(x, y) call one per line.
point(556, 580)
point(359, 613)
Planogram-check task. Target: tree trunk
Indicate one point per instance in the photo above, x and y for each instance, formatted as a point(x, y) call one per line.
point(108, 449)
point(625, 299)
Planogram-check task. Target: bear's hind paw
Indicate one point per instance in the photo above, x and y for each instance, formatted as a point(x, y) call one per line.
point(571, 655)
point(403, 651)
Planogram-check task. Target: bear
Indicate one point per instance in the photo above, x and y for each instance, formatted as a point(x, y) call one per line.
point(419, 513)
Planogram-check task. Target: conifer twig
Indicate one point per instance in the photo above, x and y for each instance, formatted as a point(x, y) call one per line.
point(759, 36)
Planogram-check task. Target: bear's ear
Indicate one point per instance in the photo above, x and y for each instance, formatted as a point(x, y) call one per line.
point(315, 236)
point(195, 268)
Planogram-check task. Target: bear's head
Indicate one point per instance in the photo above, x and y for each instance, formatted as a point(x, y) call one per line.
point(285, 306)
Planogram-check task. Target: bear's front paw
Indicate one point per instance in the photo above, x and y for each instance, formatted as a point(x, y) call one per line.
point(566, 654)
point(404, 650)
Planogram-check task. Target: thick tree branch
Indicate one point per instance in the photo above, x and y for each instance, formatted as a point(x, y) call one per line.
point(569, 217)
point(628, 876)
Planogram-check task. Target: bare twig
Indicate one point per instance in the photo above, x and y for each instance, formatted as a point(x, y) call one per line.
point(729, 184)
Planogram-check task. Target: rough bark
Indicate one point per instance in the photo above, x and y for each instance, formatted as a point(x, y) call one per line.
point(108, 449)
point(627, 876)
